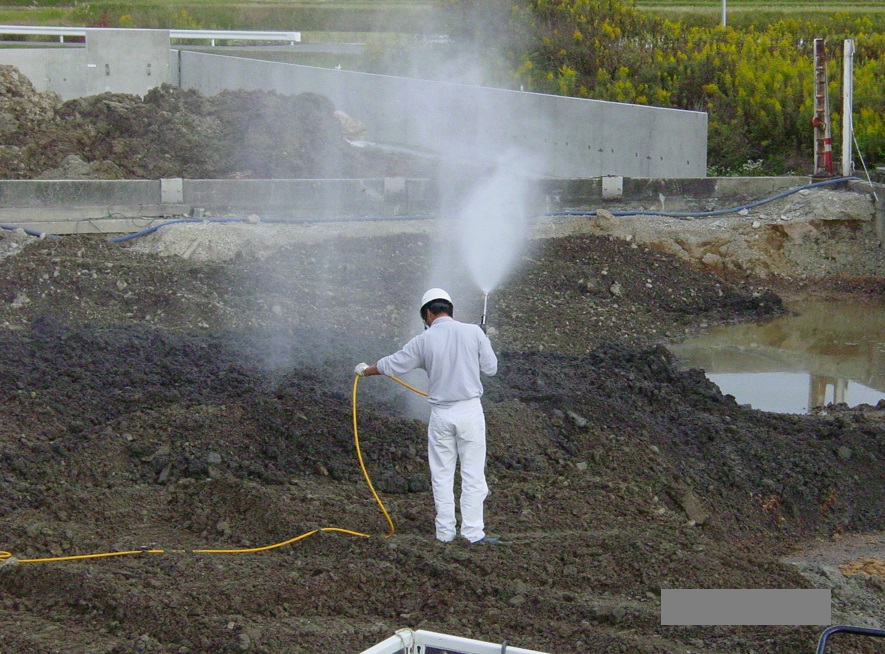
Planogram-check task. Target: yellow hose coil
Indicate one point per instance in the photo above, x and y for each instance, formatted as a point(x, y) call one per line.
point(7, 557)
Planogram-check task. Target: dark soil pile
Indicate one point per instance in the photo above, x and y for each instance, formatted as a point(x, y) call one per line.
point(160, 403)
point(173, 132)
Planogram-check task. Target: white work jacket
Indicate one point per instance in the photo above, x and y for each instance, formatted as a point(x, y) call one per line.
point(453, 354)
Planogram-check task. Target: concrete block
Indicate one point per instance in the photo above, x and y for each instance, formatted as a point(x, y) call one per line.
point(126, 60)
point(172, 190)
point(612, 187)
point(394, 187)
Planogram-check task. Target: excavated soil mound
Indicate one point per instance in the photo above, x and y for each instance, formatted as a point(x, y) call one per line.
point(161, 403)
point(173, 132)
point(192, 389)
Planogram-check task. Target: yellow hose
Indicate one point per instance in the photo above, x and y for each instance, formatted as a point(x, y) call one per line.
point(252, 550)
point(400, 381)
point(359, 455)
point(79, 557)
point(8, 557)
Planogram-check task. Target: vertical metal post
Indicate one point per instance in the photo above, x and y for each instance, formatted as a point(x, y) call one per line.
point(848, 109)
point(823, 153)
point(880, 219)
point(723, 13)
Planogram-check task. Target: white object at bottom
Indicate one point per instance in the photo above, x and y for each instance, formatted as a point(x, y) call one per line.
point(407, 641)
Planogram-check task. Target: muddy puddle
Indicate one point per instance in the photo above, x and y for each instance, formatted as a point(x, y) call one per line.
point(822, 352)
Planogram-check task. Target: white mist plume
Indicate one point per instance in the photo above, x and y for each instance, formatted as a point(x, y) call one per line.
point(493, 223)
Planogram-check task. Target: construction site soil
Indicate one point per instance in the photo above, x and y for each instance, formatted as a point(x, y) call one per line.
point(192, 389)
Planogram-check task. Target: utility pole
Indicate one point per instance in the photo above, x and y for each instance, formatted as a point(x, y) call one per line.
point(848, 109)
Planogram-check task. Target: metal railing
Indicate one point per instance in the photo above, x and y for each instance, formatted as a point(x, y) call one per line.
point(199, 35)
point(862, 631)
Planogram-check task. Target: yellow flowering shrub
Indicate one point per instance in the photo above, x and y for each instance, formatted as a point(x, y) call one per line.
point(756, 82)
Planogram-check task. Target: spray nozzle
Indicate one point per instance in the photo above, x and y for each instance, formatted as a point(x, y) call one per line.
point(485, 306)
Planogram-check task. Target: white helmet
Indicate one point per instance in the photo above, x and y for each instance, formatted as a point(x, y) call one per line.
point(435, 294)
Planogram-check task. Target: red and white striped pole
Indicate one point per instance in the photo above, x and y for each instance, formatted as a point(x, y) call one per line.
point(823, 151)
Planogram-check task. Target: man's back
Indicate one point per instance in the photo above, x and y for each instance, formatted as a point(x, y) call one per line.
point(453, 354)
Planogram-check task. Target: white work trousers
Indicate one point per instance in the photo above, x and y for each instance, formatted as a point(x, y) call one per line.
point(458, 432)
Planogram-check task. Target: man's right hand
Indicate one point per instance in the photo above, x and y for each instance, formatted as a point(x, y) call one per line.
point(360, 370)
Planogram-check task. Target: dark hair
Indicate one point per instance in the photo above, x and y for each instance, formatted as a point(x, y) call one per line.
point(436, 307)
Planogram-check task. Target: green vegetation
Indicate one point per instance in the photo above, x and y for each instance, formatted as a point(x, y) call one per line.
point(35, 16)
point(752, 14)
point(755, 82)
point(304, 16)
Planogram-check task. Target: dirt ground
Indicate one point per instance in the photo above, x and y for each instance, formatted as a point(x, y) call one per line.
point(192, 389)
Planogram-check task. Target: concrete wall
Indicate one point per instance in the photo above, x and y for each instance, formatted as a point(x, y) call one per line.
point(144, 66)
point(58, 69)
point(97, 206)
point(37, 194)
point(555, 136)
point(548, 135)
point(116, 60)
point(88, 206)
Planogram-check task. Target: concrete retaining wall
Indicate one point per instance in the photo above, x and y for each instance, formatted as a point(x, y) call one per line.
point(87, 206)
point(42, 194)
point(551, 135)
point(115, 60)
point(66, 207)
point(676, 193)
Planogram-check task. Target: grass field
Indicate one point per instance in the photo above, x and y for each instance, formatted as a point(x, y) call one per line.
point(340, 16)
point(362, 16)
point(760, 12)
point(379, 23)
point(766, 5)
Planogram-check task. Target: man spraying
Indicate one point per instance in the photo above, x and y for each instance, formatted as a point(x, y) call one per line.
point(453, 354)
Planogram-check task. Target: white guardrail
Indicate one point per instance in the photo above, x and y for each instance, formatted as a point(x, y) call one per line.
point(200, 35)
